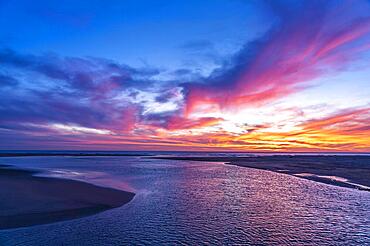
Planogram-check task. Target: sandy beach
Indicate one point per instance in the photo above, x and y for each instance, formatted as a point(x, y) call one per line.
point(28, 200)
point(346, 171)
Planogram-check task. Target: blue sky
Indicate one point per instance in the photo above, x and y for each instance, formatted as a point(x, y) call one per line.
point(197, 75)
point(168, 34)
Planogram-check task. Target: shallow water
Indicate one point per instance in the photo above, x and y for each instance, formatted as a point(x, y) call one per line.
point(190, 203)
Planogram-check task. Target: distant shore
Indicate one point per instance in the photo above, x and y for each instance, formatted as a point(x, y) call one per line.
point(82, 154)
point(346, 171)
point(28, 200)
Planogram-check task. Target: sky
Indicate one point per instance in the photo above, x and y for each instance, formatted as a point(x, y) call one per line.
point(212, 75)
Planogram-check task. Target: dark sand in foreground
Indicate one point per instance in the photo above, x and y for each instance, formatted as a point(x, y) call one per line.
point(346, 171)
point(28, 200)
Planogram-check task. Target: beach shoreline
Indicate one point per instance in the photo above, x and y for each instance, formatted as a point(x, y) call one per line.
point(28, 200)
point(30, 154)
point(344, 171)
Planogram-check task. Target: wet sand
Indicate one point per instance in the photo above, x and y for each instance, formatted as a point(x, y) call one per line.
point(28, 200)
point(352, 171)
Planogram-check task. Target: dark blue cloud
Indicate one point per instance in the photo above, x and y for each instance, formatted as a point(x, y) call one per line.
point(7, 81)
point(67, 90)
point(197, 45)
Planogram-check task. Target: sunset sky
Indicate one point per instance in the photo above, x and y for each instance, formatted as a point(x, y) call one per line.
point(204, 75)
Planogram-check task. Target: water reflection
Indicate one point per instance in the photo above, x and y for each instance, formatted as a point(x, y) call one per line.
point(181, 202)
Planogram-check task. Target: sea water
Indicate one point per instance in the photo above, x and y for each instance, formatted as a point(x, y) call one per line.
point(195, 203)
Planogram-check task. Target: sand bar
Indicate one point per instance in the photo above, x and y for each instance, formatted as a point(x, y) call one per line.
point(28, 200)
point(353, 169)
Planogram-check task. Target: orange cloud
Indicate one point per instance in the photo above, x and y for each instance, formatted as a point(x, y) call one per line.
point(347, 130)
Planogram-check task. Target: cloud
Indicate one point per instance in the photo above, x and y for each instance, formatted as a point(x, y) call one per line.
point(7, 81)
point(68, 90)
point(345, 122)
point(75, 129)
point(89, 101)
point(198, 45)
point(309, 39)
point(176, 123)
